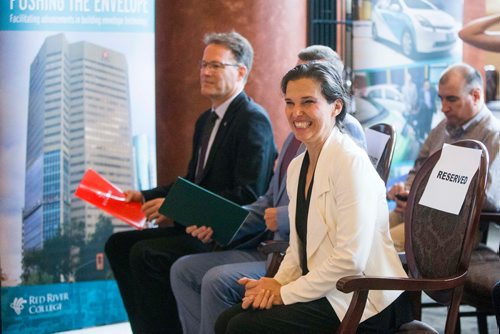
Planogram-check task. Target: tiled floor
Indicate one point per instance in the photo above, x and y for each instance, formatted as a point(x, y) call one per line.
point(436, 317)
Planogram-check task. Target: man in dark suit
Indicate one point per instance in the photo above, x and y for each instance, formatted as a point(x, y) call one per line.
point(233, 156)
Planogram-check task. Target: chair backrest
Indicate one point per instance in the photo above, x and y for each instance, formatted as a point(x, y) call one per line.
point(439, 244)
point(384, 164)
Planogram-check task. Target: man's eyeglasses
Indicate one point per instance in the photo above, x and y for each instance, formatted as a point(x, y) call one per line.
point(215, 65)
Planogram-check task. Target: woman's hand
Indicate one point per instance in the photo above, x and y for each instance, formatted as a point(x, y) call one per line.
point(262, 293)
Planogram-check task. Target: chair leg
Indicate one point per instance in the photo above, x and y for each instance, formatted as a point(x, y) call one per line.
point(482, 324)
point(416, 304)
point(453, 309)
point(458, 328)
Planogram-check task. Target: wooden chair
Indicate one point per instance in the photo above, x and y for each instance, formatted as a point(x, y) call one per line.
point(438, 248)
point(384, 165)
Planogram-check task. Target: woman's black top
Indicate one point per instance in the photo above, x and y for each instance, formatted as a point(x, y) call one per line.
point(302, 211)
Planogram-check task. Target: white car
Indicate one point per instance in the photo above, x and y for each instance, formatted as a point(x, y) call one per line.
point(417, 26)
point(369, 112)
point(387, 95)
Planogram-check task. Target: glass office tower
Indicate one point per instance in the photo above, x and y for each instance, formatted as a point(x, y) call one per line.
point(78, 118)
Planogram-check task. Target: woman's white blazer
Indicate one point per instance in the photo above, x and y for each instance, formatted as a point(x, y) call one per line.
point(347, 229)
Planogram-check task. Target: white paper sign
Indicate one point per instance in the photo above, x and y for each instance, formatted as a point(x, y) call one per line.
point(375, 145)
point(450, 179)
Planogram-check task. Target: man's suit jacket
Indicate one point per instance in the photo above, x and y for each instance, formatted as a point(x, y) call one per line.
point(240, 163)
point(347, 229)
point(253, 230)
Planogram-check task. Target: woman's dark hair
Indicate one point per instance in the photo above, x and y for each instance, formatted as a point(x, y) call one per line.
point(327, 76)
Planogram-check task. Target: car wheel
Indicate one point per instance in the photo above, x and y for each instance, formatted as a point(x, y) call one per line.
point(374, 32)
point(407, 44)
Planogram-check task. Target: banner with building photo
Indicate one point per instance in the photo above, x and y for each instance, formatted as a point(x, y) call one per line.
point(77, 91)
point(400, 49)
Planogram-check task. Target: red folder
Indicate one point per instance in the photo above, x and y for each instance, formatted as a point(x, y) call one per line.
point(98, 191)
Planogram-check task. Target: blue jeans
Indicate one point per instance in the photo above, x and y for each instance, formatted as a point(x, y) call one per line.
point(205, 285)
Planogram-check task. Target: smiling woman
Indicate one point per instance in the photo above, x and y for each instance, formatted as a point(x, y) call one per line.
point(338, 224)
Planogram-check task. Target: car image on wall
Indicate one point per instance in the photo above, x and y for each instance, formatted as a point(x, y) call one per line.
point(370, 112)
point(415, 26)
point(388, 96)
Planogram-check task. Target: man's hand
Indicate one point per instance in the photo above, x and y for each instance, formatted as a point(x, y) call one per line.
point(150, 208)
point(203, 233)
point(262, 293)
point(399, 189)
point(133, 196)
point(271, 218)
point(400, 203)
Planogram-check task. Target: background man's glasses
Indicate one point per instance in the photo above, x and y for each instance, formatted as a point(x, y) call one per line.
point(214, 65)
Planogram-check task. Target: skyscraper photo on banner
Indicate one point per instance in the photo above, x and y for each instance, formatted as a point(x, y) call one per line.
point(77, 92)
point(400, 49)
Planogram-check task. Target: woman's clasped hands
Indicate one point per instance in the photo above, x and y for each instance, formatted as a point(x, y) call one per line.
point(261, 294)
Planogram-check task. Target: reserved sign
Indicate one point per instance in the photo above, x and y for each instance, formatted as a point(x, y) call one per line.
point(450, 179)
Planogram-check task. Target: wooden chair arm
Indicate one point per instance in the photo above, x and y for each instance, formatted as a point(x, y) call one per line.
point(491, 216)
point(273, 246)
point(278, 249)
point(361, 285)
point(355, 283)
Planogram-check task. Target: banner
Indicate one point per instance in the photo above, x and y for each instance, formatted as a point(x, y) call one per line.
point(77, 91)
point(400, 49)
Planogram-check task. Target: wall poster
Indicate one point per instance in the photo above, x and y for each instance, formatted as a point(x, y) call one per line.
point(400, 48)
point(77, 91)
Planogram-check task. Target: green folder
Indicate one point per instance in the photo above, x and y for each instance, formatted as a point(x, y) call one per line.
point(189, 204)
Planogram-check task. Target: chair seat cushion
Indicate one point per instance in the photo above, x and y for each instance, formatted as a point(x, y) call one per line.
point(483, 254)
point(484, 272)
point(416, 327)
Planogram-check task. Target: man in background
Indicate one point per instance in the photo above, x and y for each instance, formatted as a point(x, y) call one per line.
point(466, 117)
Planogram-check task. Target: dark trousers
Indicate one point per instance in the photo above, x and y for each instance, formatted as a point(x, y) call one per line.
point(316, 316)
point(141, 262)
